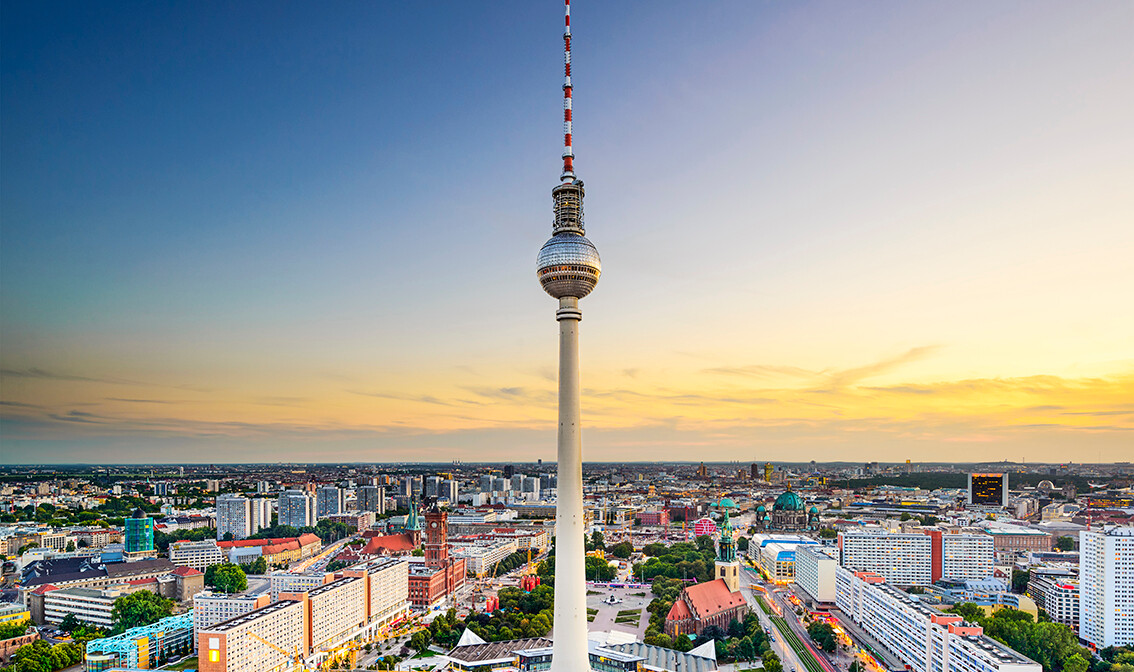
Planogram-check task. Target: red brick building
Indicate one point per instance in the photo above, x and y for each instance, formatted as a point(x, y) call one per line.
point(441, 574)
point(702, 605)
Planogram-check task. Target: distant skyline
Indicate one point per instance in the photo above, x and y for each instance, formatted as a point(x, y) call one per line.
point(840, 232)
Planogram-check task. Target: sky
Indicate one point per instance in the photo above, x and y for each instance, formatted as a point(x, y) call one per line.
point(235, 232)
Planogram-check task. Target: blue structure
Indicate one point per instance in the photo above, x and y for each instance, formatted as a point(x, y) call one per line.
point(145, 647)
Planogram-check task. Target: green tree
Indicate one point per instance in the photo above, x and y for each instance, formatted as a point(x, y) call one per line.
point(823, 635)
point(622, 550)
point(597, 540)
point(70, 547)
point(1065, 544)
point(772, 662)
point(226, 578)
point(260, 566)
point(742, 544)
point(828, 533)
point(1019, 581)
point(420, 640)
point(138, 609)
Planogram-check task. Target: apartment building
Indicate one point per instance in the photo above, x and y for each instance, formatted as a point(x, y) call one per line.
point(903, 559)
point(815, 572)
point(963, 556)
point(286, 582)
point(481, 556)
point(234, 516)
point(372, 498)
point(1056, 591)
point(196, 554)
point(336, 610)
point(296, 508)
point(922, 638)
point(211, 608)
point(388, 580)
point(256, 641)
point(1106, 586)
point(328, 500)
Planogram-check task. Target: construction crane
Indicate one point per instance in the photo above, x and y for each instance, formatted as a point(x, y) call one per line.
point(296, 659)
point(351, 649)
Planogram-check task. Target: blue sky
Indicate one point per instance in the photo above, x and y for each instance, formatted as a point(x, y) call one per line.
point(261, 225)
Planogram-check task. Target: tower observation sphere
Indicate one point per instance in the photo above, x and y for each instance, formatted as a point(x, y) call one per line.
point(568, 265)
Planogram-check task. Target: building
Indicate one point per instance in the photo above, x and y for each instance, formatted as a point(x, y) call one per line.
point(144, 647)
point(658, 518)
point(13, 613)
point(372, 498)
point(210, 608)
point(917, 558)
point(296, 508)
point(920, 637)
point(234, 517)
point(441, 574)
point(197, 554)
point(1056, 591)
point(775, 554)
point(815, 572)
point(481, 556)
point(1009, 540)
point(715, 602)
point(957, 557)
point(988, 489)
point(328, 501)
point(336, 610)
point(275, 551)
point(269, 638)
point(261, 513)
point(788, 514)
point(388, 580)
point(1106, 586)
point(139, 534)
point(89, 605)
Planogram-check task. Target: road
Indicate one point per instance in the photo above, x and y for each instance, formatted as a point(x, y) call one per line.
point(788, 609)
point(749, 579)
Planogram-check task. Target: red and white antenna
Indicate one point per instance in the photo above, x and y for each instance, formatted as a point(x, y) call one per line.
point(568, 155)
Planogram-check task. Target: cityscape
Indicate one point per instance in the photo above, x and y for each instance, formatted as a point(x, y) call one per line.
point(277, 388)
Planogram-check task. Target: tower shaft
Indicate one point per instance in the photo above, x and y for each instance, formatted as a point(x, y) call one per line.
point(570, 645)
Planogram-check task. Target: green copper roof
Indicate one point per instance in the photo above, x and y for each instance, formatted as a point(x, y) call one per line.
point(789, 501)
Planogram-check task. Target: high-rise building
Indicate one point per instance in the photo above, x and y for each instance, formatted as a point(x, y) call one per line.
point(501, 484)
point(484, 483)
point(329, 500)
point(448, 490)
point(372, 498)
point(568, 268)
point(988, 489)
point(139, 536)
point(433, 487)
point(1106, 586)
point(296, 508)
point(234, 516)
point(1056, 591)
point(161, 489)
point(815, 571)
point(917, 558)
point(918, 635)
point(517, 483)
point(261, 513)
point(509, 470)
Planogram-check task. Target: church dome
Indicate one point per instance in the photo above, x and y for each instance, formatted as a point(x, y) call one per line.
point(761, 509)
point(814, 510)
point(789, 501)
point(727, 503)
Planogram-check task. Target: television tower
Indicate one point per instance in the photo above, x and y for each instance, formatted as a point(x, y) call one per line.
point(568, 268)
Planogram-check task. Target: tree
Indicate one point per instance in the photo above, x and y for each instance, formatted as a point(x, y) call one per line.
point(905, 516)
point(828, 533)
point(597, 540)
point(420, 640)
point(70, 623)
point(705, 542)
point(138, 609)
point(622, 550)
point(772, 662)
point(823, 635)
point(228, 536)
point(742, 544)
point(1065, 544)
point(70, 547)
point(1019, 581)
point(227, 578)
point(260, 566)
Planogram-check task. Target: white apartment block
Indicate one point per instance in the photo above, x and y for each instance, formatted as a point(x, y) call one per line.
point(261, 514)
point(286, 582)
point(966, 556)
point(89, 605)
point(481, 557)
point(1106, 586)
point(1056, 591)
point(902, 559)
point(337, 610)
point(256, 641)
point(196, 554)
point(389, 589)
point(372, 498)
point(234, 515)
point(211, 608)
point(815, 571)
point(924, 639)
point(296, 508)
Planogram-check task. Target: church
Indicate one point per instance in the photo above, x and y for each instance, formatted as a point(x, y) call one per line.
point(715, 602)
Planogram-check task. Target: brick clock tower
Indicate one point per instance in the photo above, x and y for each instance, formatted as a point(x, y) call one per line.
point(436, 538)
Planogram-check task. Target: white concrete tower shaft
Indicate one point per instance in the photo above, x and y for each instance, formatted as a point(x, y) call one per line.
point(570, 647)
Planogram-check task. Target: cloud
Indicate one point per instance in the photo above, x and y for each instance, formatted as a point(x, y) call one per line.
point(143, 401)
point(847, 377)
point(77, 416)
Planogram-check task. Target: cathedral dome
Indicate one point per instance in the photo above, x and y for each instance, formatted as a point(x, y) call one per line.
point(789, 501)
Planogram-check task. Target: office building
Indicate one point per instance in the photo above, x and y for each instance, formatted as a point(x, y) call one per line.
point(484, 483)
point(988, 489)
point(296, 508)
point(139, 537)
point(448, 490)
point(916, 636)
point(234, 517)
point(815, 572)
point(372, 498)
point(92, 606)
point(196, 554)
point(1106, 586)
point(329, 500)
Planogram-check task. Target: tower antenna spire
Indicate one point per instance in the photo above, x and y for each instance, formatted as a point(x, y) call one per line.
point(568, 154)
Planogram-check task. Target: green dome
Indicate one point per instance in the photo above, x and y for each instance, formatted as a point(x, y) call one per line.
point(761, 508)
point(727, 503)
point(814, 510)
point(789, 501)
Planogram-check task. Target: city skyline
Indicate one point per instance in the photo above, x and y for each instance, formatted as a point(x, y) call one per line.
point(839, 233)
